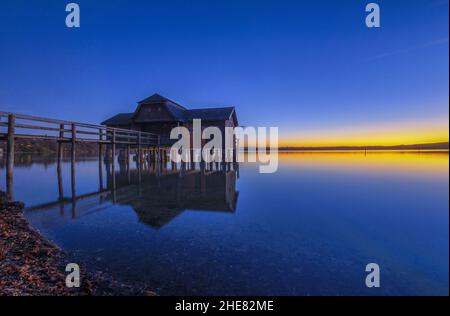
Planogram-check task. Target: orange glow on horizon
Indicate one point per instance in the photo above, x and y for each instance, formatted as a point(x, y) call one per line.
point(383, 135)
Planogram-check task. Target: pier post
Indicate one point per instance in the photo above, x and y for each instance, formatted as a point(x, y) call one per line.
point(100, 161)
point(127, 158)
point(74, 140)
point(114, 164)
point(60, 182)
point(192, 160)
point(202, 166)
point(235, 148)
point(108, 173)
point(113, 145)
point(159, 149)
point(139, 150)
point(127, 152)
point(139, 182)
point(10, 155)
point(60, 158)
point(72, 165)
point(203, 184)
point(100, 144)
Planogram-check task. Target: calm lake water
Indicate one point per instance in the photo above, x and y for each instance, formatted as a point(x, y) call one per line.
point(308, 229)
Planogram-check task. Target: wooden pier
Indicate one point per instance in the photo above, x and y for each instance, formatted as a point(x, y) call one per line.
point(17, 126)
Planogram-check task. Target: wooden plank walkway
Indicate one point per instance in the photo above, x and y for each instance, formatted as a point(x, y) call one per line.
point(147, 146)
point(15, 126)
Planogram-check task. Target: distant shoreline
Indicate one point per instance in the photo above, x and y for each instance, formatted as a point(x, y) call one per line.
point(442, 146)
point(47, 148)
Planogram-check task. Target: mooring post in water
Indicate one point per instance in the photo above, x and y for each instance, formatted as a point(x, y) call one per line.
point(10, 155)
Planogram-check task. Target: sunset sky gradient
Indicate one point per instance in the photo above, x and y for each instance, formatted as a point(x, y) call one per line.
point(312, 68)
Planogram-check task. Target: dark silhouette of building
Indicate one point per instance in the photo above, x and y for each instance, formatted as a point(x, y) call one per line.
point(159, 115)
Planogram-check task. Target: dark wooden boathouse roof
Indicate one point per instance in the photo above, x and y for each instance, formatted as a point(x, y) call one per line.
point(178, 112)
point(119, 119)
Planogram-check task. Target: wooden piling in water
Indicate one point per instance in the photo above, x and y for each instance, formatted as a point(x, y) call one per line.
point(72, 169)
point(10, 155)
point(60, 182)
point(127, 158)
point(139, 150)
point(100, 159)
point(60, 154)
point(74, 140)
point(100, 145)
point(113, 145)
point(128, 152)
point(60, 142)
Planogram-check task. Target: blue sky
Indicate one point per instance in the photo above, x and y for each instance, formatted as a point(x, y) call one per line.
point(309, 67)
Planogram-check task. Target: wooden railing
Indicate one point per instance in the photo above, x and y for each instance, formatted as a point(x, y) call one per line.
point(33, 127)
point(15, 126)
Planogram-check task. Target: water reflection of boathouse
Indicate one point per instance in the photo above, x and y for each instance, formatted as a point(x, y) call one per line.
point(157, 193)
point(162, 197)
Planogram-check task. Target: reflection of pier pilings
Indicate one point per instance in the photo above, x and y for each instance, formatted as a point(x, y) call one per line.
point(154, 195)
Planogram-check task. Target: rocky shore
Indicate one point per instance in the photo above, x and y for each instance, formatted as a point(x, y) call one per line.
point(31, 265)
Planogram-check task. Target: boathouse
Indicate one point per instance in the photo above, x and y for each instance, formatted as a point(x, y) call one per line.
point(157, 114)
